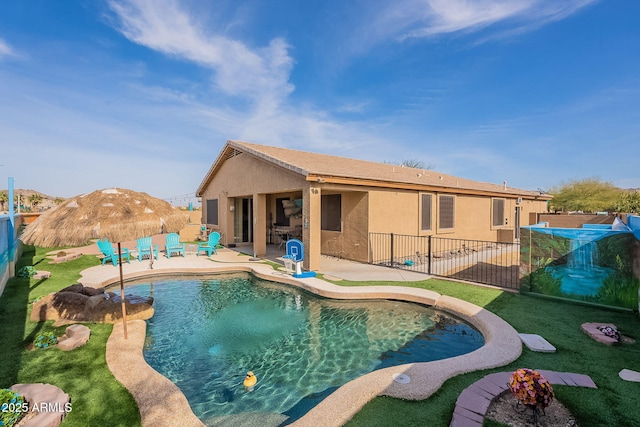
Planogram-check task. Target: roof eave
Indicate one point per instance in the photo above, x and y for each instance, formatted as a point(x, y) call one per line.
point(423, 187)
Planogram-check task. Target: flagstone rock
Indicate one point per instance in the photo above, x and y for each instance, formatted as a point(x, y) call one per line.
point(591, 329)
point(75, 336)
point(47, 402)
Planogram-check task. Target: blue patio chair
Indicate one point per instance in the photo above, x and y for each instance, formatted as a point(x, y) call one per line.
point(173, 244)
point(145, 247)
point(210, 245)
point(110, 253)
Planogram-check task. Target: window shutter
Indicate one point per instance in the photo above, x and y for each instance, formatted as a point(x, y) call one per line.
point(212, 211)
point(498, 212)
point(331, 206)
point(446, 211)
point(426, 212)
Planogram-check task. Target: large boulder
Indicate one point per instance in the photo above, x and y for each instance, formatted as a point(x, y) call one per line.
point(77, 303)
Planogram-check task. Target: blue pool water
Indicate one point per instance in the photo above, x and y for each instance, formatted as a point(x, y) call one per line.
point(208, 332)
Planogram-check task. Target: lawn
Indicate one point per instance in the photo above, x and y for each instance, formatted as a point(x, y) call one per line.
point(98, 399)
point(615, 402)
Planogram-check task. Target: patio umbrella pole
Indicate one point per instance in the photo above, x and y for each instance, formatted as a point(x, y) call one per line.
point(124, 310)
point(151, 253)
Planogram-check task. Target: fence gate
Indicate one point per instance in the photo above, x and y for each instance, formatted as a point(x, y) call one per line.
point(478, 261)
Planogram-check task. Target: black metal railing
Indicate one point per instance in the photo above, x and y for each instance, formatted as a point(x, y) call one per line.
point(478, 261)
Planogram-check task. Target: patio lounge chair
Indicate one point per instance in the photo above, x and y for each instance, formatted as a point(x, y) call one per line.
point(110, 253)
point(145, 247)
point(173, 244)
point(210, 245)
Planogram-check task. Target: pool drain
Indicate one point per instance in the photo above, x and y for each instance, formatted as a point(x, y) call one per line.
point(401, 378)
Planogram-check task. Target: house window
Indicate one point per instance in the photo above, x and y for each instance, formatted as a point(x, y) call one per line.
point(331, 206)
point(497, 213)
point(212, 211)
point(446, 212)
point(426, 212)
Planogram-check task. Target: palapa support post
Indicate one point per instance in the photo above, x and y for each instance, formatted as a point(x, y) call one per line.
point(151, 253)
point(124, 309)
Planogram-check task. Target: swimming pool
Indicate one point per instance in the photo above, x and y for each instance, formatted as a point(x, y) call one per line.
point(208, 332)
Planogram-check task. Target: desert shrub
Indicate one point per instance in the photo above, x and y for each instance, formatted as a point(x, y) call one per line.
point(45, 340)
point(27, 272)
point(12, 407)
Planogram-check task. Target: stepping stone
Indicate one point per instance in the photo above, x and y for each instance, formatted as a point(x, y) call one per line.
point(582, 380)
point(537, 343)
point(51, 403)
point(591, 329)
point(629, 375)
point(75, 336)
point(41, 275)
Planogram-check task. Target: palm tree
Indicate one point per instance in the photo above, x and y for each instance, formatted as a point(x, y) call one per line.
point(4, 198)
point(411, 163)
point(35, 199)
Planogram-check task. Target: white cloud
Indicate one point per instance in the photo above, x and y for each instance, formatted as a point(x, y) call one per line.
point(404, 19)
point(261, 74)
point(450, 16)
point(5, 49)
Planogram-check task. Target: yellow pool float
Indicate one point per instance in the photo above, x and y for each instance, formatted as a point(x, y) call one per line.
point(250, 381)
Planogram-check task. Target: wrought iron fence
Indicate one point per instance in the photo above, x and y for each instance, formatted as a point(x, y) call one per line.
point(478, 261)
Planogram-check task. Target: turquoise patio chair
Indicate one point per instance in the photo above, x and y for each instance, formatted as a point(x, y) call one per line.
point(110, 253)
point(210, 245)
point(145, 248)
point(173, 244)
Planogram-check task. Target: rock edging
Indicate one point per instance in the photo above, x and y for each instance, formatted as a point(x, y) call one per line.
point(50, 402)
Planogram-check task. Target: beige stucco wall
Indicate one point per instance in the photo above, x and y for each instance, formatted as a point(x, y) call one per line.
point(399, 212)
point(351, 242)
point(244, 176)
point(393, 211)
point(364, 210)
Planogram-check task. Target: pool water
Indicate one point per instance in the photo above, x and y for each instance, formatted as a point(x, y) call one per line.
point(208, 332)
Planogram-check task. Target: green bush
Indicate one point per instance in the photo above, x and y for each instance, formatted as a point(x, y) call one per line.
point(45, 340)
point(12, 407)
point(27, 272)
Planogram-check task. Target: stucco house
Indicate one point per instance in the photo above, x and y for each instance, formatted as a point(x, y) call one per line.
point(257, 195)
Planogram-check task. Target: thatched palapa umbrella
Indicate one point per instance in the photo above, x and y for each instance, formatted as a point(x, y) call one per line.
point(116, 214)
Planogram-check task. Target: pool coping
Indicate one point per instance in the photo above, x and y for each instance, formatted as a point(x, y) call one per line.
point(161, 402)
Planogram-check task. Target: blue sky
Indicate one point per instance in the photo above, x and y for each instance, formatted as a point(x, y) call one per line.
point(143, 94)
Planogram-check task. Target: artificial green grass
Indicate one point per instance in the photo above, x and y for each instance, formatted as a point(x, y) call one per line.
point(615, 402)
point(96, 397)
